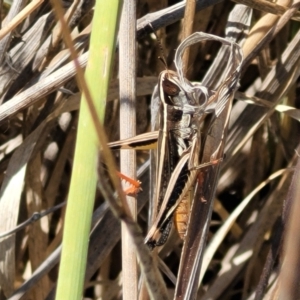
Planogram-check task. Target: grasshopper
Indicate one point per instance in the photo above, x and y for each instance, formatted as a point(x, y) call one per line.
point(183, 106)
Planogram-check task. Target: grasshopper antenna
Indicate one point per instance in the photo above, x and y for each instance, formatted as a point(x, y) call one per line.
point(162, 58)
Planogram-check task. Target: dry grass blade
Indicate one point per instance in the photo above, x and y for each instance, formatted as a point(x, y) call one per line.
point(273, 88)
point(288, 110)
point(187, 30)
point(10, 26)
point(34, 218)
point(21, 55)
point(54, 81)
point(4, 43)
point(127, 73)
point(265, 35)
point(40, 89)
point(168, 16)
point(248, 247)
point(224, 229)
point(268, 7)
point(10, 195)
point(288, 280)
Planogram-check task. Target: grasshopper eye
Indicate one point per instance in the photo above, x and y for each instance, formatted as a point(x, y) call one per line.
point(170, 88)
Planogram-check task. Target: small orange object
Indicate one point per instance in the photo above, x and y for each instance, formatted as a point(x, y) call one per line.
point(135, 184)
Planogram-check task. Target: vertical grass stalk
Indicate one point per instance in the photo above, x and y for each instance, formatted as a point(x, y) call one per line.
point(84, 175)
point(127, 44)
